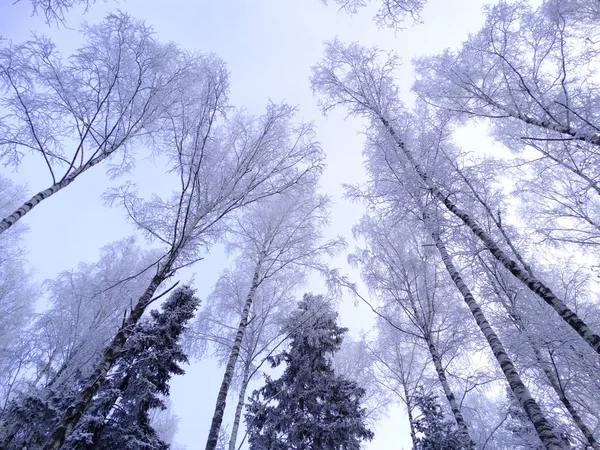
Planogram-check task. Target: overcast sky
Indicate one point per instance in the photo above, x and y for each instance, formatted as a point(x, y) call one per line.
point(269, 47)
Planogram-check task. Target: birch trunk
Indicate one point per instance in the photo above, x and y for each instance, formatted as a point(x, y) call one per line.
point(217, 420)
point(26, 207)
point(411, 419)
point(532, 409)
point(73, 414)
point(240, 406)
point(533, 283)
point(441, 373)
point(554, 381)
point(574, 133)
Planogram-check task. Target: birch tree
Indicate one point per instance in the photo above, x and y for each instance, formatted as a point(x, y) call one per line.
point(143, 371)
point(546, 353)
point(400, 368)
point(528, 66)
point(391, 13)
point(17, 297)
point(519, 309)
point(219, 169)
point(354, 77)
point(217, 325)
point(87, 307)
point(543, 428)
point(409, 285)
point(120, 414)
point(93, 108)
point(280, 235)
point(529, 72)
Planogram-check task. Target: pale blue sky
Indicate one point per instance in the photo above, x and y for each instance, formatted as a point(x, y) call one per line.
point(269, 46)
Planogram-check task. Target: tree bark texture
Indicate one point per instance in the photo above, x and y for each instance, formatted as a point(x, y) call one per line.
point(533, 283)
point(554, 381)
point(574, 133)
point(532, 409)
point(26, 207)
point(441, 373)
point(240, 406)
point(73, 415)
point(409, 411)
point(217, 419)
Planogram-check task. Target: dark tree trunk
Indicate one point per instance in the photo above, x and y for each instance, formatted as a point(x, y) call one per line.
point(73, 414)
point(456, 412)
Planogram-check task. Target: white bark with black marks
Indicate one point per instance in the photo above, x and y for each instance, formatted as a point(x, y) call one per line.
point(456, 412)
point(240, 406)
point(217, 420)
point(26, 207)
point(542, 426)
point(532, 282)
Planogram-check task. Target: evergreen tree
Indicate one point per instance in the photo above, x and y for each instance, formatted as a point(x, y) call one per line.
point(308, 406)
point(433, 430)
point(120, 417)
point(29, 417)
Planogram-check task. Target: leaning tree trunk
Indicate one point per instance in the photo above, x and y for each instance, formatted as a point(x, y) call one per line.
point(240, 406)
point(533, 283)
point(554, 382)
point(441, 373)
point(552, 379)
point(26, 207)
point(532, 409)
point(94, 429)
point(73, 414)
point(217, 420)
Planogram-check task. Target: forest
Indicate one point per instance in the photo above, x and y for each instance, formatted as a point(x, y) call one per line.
point(404, 258)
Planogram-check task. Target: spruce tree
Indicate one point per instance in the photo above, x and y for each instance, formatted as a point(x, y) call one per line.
point(309, 406)
point(119, 416)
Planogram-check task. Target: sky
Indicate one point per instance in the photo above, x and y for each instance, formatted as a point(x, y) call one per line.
point(269, 47)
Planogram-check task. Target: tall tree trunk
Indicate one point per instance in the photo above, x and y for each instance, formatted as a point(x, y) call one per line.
point(26, 207)
point(553, 379)
point(532, 282)
point(409, 412)
point(73, 414)
point(102, 411)
point(441, 373)
point(217, 420)
point(240, 406)
point(555, 383)
point(532, 409)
